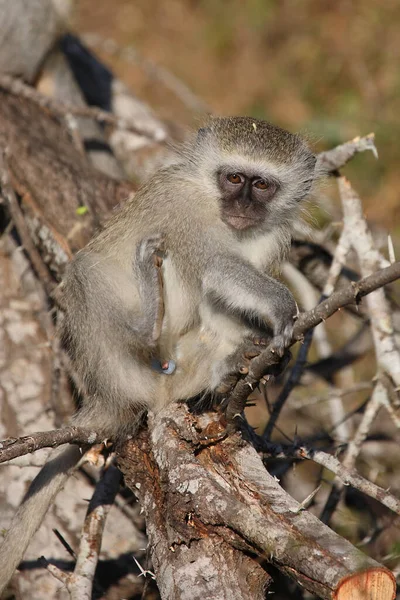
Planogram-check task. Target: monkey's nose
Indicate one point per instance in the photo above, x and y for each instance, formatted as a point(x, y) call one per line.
point(244, 201)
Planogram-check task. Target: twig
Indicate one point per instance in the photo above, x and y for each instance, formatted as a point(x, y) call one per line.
point(13, 447)
point(308, 298)
point(64, 542)
point(334, 159)
point(358, 236)
point(348, 295)
point(80, 583)
point(347, 475)
point(292, 381)
point(336, 407)
point(387, 354)
point(55, 571)
point(18, 88)
point(372, 409)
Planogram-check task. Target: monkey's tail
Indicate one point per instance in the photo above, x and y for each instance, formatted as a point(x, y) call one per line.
point(34, 506)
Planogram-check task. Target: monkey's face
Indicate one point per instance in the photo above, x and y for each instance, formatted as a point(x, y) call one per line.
point(245, 197)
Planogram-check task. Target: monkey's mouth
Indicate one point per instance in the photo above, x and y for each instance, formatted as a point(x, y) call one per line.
point(240, 222)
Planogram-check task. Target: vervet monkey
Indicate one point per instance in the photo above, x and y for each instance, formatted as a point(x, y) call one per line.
point(223, 211)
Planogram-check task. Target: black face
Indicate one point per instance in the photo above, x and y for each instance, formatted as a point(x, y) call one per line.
point(245, 198)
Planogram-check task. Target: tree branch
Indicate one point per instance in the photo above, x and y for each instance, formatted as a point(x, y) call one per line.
point(18, 88)
point(334, 159)
point(222, 492)
point(348, 476)
point(13, 447)
point(79, 583)
point(350, 294)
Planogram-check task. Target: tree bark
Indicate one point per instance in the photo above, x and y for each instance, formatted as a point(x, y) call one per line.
point(54, 181)
point(197, 496)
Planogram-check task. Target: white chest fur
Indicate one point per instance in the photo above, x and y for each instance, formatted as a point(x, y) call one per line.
point(262, 250)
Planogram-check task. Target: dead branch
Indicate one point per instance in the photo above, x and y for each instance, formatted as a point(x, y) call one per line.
point(79, 583)
point(348, 476)
point(223, 493)
point(356, 234)
point(20, 89)
point(334, 159)
point(387, 353)
point(17, 216)
point(13, 447)
point(351, 294)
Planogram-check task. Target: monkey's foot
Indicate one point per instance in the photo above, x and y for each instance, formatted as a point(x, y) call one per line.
point(238, 363)
point(165, 367)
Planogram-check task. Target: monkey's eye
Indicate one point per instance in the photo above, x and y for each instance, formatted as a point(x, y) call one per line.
point(234, 178)
point(261, 184)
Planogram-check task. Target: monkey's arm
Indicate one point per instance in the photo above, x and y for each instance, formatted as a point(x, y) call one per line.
point(241, 288)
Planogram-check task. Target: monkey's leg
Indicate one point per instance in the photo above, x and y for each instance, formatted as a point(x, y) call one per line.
point(238, 363)
point(149, 259)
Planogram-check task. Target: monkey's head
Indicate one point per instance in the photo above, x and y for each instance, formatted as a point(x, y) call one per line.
point(258, 172)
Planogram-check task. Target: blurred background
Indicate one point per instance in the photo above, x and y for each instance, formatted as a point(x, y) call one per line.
point(330, 69)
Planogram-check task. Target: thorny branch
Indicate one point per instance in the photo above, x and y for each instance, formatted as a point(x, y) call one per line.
point(355, 234)
point(347, 475)
point(14, 447)
point(351, 294)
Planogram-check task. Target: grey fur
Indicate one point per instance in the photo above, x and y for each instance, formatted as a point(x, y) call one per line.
point(215, 279)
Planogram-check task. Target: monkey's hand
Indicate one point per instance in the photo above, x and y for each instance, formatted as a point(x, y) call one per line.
point(283, 315)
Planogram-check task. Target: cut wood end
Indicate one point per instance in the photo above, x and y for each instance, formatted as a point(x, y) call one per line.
point(374, 584)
